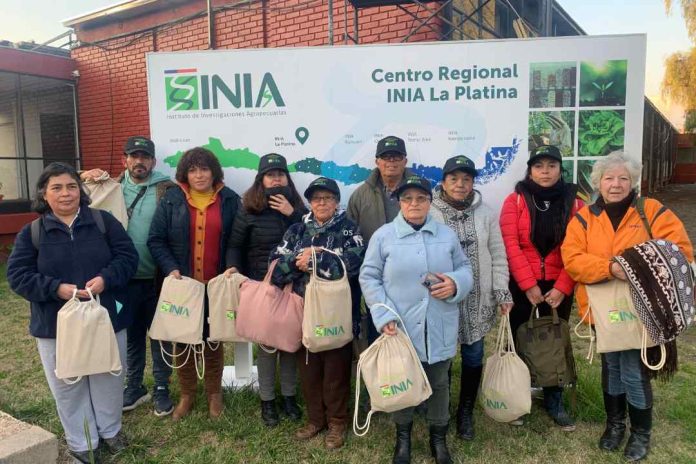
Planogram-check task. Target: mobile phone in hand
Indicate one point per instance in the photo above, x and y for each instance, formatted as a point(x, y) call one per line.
point(430, 279)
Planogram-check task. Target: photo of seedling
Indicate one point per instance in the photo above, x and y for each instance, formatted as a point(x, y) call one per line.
point(584, 184)
point(603, 84)
point(552, 85)
point(601, 132)
point(552, 128)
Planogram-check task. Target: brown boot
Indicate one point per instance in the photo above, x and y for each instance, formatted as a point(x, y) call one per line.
point(188, 382)
point(308, 431)
point(336, 436)
point(214, 364)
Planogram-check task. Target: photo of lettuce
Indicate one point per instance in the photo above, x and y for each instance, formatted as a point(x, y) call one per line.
point(601, 132)
point(568, 168)
point(552, 128)
point(603, 83)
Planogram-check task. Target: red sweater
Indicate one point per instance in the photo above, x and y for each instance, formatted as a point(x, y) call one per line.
point(526, 264)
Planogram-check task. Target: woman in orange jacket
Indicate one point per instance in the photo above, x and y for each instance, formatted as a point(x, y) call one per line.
point(597, 234)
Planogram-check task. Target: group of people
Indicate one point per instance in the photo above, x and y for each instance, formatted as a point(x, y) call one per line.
point(440, 257)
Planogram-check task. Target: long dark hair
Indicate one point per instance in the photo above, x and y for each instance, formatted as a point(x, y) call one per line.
point(202, 158)
point(40, 205)
point(254, 200)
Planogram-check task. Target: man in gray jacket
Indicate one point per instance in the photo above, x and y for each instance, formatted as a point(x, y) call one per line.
point(372, 204)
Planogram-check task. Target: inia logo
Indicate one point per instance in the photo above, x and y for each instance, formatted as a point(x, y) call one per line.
point(621, 316)
point(321, 331)
point(388, 390)
point(187, 90)
point(495, 404)
point(231, 314)
point(167, 307)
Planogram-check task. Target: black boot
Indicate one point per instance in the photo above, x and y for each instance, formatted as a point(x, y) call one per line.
point(438, 444)
point(615, 407)
point(553, 403)
point(402, 449)
point(291, 409)
point(639, 442)
point(471, 377)
point(269, 413)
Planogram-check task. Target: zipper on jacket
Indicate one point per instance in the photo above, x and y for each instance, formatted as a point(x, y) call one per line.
point(427, 356)
point(543, 268)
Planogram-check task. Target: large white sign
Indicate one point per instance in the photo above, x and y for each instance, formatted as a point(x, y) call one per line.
point(325, 108)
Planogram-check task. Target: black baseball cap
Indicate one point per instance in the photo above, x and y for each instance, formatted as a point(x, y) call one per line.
point(141, 144)
point(461, 163)
point(544, 151)
point(414, 182)
point(323, 183)
point(390, 144)
point(272, 161)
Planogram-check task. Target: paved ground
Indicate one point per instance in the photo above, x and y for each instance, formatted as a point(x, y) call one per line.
point(681, 198)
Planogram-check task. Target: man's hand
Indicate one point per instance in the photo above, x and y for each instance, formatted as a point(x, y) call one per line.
point(444, 289)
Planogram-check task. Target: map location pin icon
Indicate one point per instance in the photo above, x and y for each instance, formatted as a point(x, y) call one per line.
point(302, 134)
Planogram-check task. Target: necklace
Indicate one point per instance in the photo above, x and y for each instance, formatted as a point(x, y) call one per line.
point(546, 203)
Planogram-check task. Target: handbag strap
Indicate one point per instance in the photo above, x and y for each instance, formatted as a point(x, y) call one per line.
point(505, 342)
point(315, 266)
point(592, 336)
point(129, 210)
point(644, 353)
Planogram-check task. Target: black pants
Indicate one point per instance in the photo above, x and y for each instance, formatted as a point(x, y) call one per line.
point(523, 308)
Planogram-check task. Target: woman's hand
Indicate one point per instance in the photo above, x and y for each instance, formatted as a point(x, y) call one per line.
point(65, 291)
point(96, 286)
point(176, 274)
point(280, 204)
point(444, 289)
point(389, 328)
point(230, 271)
point(554, 298)
point(617, 271)
point(505, 308)
point(302, 260)
point(92, 174)
point(534, 295)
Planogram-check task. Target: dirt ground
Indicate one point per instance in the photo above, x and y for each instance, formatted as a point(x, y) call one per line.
point(681, 198)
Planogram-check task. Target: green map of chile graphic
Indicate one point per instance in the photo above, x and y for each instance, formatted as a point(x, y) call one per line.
point(242, 158)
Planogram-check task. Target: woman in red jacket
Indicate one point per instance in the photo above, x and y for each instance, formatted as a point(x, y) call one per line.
point(533, 222)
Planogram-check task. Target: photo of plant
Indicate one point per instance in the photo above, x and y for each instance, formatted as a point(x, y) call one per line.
point(552, 128)
point(603, 84)
point(584, 184)
point(552, 85)
point(568, 168)
point(600, 132)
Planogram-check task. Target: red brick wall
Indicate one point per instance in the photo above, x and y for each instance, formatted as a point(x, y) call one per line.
point(112, 89)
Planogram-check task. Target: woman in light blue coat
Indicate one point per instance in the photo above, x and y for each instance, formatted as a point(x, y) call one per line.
point(416, 266)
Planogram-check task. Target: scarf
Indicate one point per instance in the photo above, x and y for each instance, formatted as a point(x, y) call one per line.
point(662, 290)
point(549, 213)
point(616, 211)
point(456, 204)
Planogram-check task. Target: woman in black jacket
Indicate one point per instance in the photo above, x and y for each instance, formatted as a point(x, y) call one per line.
point(75, 249)
point(270, 206)
point(188, 237)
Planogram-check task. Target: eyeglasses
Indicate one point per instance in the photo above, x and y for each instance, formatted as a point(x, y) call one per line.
point(394, 157)
point(417, 200)
point(322, 199)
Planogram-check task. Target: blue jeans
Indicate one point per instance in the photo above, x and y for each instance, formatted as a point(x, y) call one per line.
point(472, 355)
point(142, 295)
point(622, 372)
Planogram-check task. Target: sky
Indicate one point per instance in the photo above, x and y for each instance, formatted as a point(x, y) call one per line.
point(40, 20)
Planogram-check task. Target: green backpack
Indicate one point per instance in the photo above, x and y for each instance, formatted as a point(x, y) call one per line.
point(544, 345)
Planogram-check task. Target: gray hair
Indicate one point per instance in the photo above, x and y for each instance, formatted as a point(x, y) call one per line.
point(616, 159)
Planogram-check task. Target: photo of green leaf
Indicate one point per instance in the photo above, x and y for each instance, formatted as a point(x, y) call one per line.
point(585, 189)
point(568, 168)
point(552, 128)
point(601, 132)
point(603, 83)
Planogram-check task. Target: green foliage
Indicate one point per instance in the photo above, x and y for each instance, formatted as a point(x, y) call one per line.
point(601, 132)
point(690, 122)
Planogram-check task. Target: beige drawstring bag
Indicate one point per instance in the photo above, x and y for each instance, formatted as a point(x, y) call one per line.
point(506, 381)
point(223, 301)
point(393, 375)
point(179, 319)
point(107, 194)
point(327, 323)
point(85, 340)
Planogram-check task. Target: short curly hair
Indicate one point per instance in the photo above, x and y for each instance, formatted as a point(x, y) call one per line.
point(202, 158)
point(615, 159)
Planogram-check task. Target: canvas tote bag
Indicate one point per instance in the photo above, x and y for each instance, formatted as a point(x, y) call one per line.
point(506, 381)
point(85, 340)
point(179, 319)
point(393, 375)
point(328, 315)
point(268, 315)
point(223, 301)
point(107, 194)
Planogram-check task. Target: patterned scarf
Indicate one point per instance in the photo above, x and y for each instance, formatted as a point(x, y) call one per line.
point(662, 290)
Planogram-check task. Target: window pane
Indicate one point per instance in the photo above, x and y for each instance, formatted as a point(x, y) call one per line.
point(10, 170)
